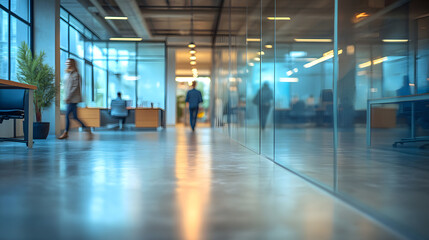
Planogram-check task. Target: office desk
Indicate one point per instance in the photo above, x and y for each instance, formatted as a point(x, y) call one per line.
point(401, 99)
point(28, 111)
point(141, 117)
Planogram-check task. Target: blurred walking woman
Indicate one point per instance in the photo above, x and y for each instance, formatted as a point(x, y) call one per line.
point(73, 95)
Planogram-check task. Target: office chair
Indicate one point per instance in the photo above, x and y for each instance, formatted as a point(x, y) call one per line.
point(12, 104)
point(119, 110)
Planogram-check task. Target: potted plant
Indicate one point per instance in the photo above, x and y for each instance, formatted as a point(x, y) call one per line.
point(32, 70)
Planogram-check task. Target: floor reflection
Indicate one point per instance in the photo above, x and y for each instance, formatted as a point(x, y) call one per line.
point(193, 187)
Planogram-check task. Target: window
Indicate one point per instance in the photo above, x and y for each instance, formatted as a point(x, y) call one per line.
point(20, 32)
point(64, 40)
point(76, 43)
point(4, 3)
point(21, 8)
point(137, 70)
point(4, 45)
point(14, 29)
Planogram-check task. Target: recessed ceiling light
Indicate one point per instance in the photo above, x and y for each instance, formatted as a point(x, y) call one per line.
point(126, 39)
point(279, 18)
point(395, 40)
point(115, 18)
point(253, 39)
point(313, 40)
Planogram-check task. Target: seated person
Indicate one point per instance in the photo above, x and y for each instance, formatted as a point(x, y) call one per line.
point(119, 109)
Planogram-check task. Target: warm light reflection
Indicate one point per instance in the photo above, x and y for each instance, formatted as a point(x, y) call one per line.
point(279, 18)
point(312, 40)
point(361, 15)
point(253, 39)
point(326, 56)
point(373, 62)
point(193, 58)
point(268, 46)
point(395, 40)
point(257, 59)
point(261, 53)
point(193, 63)
point(192, 189)
point(365, 64)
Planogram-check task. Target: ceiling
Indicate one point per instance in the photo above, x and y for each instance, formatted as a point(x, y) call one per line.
point(177, 22)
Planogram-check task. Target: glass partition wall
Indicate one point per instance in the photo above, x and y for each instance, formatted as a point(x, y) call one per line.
point(293, 81)
point(136, 69)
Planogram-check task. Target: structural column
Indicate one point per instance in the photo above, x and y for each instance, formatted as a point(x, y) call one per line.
point(46, 37)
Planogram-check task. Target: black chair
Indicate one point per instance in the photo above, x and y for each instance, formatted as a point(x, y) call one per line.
point(12, 104)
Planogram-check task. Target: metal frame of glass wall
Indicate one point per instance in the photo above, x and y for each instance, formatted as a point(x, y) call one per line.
point(12, 15)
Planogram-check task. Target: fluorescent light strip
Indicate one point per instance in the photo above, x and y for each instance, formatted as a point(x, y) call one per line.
point(312, 40)
point(115, 18)
point(253, 39)
point(126, 39)
point(289, 80)
point(279, 18)
point(395, 40)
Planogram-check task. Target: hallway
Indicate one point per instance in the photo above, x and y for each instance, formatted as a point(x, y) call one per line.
point(170, 184)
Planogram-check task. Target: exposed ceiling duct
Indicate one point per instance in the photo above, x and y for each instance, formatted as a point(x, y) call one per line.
point(131, 9)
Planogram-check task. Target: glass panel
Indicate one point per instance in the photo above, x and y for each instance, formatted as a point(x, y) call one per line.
point(304, 81)
point(151, 50)
point(122, 78)
point(385, 56)
point(64, 35)
point(122, 50)
point(253, 81)
point(99, 50)
point(4, 45)
point(63, 14)
point(100, 87)
point(88, 50)
point(151, 84)
point(5, 3)
point(63, 56)
point(76, 43)
point(88, 86)
point(267, 80)
point(87, 34)
point(422, 80)
point(20, 32)
point(20, 7)
point(75, 23)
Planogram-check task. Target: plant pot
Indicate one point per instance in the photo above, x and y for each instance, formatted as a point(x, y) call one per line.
point(40, 130)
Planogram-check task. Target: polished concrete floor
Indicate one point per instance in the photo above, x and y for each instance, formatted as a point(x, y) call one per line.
point(171, 184)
